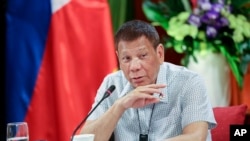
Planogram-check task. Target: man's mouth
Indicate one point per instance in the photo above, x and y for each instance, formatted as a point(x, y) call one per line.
point(137, 79)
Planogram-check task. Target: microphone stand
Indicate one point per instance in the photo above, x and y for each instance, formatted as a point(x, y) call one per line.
point(106, 94)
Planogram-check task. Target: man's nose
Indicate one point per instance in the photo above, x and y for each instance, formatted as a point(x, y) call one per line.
point(135, 64)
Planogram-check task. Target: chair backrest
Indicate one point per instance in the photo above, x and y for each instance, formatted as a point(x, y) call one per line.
point(226, 116)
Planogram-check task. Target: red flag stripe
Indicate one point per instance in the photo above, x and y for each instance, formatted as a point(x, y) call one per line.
point(79, 53)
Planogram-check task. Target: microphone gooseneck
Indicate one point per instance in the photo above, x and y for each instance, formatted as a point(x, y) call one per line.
point(106, 94)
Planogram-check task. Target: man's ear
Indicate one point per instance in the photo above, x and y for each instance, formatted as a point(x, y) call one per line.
point(160, 52)
point(116, 52)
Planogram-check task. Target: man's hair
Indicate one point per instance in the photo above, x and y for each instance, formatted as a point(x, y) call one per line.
point(134, 29)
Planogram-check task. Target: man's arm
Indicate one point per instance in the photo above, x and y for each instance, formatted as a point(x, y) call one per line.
point(196, 131)
point(105, 124)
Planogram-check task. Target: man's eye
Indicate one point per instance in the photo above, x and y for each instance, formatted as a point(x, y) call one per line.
point(143, 55)
point(125, 59)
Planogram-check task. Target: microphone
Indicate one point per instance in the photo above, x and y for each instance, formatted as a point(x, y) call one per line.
point(106, 94)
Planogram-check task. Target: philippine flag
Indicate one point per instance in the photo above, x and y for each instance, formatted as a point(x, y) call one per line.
point(57, 53)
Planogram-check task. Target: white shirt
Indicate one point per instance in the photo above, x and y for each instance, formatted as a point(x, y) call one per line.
point(185, 101)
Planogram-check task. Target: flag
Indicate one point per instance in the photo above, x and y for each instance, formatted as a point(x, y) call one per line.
point(57, 53)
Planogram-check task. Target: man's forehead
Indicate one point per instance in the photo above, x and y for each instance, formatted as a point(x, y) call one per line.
point(133, 49)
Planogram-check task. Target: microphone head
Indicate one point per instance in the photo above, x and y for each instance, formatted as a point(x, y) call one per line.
point(111, 88)
point(109, 91)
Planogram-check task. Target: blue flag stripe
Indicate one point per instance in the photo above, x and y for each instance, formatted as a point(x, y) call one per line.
point(26, 33)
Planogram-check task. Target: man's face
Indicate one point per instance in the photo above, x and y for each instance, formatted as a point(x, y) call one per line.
point(139, 61)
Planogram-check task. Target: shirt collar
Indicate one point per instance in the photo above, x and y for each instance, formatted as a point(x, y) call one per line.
point(162, 79)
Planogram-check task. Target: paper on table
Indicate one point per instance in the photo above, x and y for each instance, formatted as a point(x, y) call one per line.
point(84, 137)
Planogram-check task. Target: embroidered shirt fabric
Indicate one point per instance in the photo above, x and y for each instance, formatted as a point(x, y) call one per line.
point(184, 101)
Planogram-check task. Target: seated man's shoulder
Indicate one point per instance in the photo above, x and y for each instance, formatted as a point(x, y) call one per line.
point(178, 69)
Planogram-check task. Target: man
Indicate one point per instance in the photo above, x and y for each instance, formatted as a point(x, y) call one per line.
point(153, 100)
